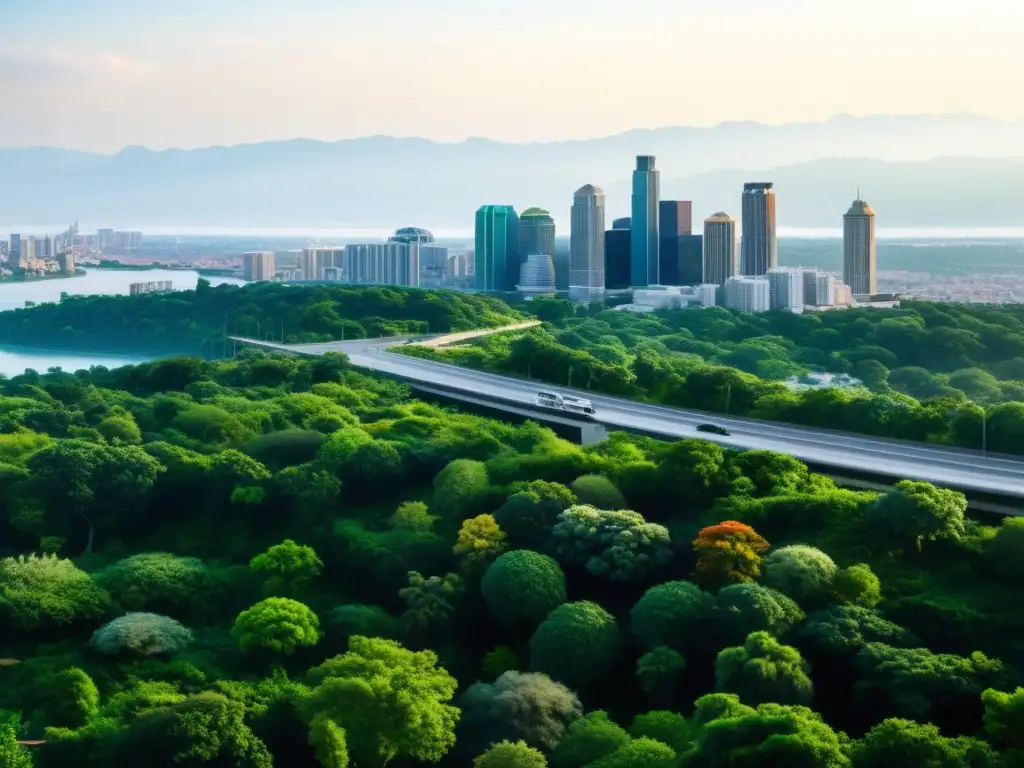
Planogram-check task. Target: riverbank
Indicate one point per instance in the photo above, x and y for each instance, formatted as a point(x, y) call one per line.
point(42, 278)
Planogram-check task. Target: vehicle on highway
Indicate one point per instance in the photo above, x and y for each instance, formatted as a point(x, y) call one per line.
point(567, 403)
point(713, 429)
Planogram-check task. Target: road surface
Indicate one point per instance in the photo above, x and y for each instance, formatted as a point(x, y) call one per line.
point(968, 470)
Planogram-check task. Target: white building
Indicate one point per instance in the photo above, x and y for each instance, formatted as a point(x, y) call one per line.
point(586, 243)
point(708, 293)
point(786, 289)
point(433, 264)
point(537, 275)
point(313, 261)
point(391, 263)
point(819, 288)
point(258, 265)
point(747, 294)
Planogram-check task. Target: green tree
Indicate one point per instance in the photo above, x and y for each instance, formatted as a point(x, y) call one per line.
point(1004, 717)
point(511, 754)
point(429, 601)
point(528, 515)
point(745, 608)
point(156, 580)
point(391, 702)
point(801, 572)
point(12, 754)
point(904, 742)
point(1004, 552)
point(660, 672)
point(522, 587)
point(413, 516)
point(141, 634)
point(288, 566)
point(461, 488)
point(857, 585)
point(277, 624)
point(616, 545)
point(673, 614)
point(69, 698)
point(841, 631)
point(577, 643)
point(328, 740)
point(639, 753)
point(598, 491)
point(763, 670)
point(913, 512)
point(480, 540)
point(669, 728)
point(590, 738)
point(44, 590)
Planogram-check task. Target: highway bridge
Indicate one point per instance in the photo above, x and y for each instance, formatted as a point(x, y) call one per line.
point(997, 480)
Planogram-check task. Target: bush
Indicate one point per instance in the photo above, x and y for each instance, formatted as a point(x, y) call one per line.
point(616, 545)
point(511, 754)
point(141, 634)
point(598, 491)
point(576, 644)
point(745, 608)
point(278, 624)
point(800, 572)
point(762, 670)
point(674, 614)
point(40, 590)
point(857, 585)
point(155, 580)
point(588, 739)
point(522, 587)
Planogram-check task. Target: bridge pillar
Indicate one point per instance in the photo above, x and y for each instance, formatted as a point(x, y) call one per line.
point(592, 433)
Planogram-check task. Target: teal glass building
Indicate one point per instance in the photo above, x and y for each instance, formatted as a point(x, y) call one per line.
point(496, 248)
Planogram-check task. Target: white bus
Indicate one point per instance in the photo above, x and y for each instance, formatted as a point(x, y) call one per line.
point(565, 403)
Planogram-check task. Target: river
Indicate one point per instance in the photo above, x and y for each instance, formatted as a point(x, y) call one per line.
point(104, 282)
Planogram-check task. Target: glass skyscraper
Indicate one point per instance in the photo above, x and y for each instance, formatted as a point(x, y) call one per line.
point(496, 251)
point(860, 258)
point(586, 243)
point(644, 241)
point(759, 250)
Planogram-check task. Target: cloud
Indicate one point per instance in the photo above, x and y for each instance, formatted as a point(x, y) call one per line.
point(41, 67)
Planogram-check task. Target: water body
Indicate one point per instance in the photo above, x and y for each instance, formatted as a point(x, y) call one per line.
point(102, 282)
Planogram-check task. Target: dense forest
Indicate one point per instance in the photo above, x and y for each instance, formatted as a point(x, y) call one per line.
point(196, 322)
point(271, 561)
point(928, 372)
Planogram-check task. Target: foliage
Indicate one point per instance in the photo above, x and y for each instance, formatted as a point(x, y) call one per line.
point(277, 624)
point(39, 590)
point(844, 630)
point(413, 516)
point(597, 491)
point(429, 601)
point(155, 580)
point(639, 753)
point(288, 565)
point(745, 608)
point(69, 698)
point(522, 587)
point(576, 644)
point(903, 742)
point(857, 585)
point(590, 738)
point(764, 670)
point(660, 671)
point(1004, 717)
point(511, 754)
point(669, 728)
point(728, 553)
point(800, 572)
point(914, 512)
point(141, 634)
point(480, 541)
point(12, 754)
point(528, 515)
point(673, 614)
point(616, 545)
point(460, 488)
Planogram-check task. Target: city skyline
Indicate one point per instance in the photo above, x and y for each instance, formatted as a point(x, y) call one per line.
point(204, 74)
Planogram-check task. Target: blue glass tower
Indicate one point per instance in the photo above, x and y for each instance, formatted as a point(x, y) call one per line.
point(496, 250)
point(643, 255)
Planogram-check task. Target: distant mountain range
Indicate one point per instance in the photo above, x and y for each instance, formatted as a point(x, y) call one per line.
point(949, 170)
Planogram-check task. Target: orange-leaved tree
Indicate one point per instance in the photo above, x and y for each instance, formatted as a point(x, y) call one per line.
point(728, 553)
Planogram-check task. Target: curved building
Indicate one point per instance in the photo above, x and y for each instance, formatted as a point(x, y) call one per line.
point(536, 234)
point(412, 235)
point(537, 274)
point(586, 242)
point(759, 250)
point(719, 248)
point(859, 254)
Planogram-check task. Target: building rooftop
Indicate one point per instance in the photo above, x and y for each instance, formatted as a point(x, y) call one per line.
point(589, 189)
point(535, 212)
point(860, 208)
point(720, 216)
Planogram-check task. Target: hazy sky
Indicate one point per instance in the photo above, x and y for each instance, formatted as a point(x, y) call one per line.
point(103, 74)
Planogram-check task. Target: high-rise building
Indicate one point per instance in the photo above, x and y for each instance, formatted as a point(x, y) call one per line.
point(759, 250)
point(105, 239)
point(747, 294)
point(859, 255)
point(28, 249)
point(719, 248)
point(819, 288)
point(433, 265)
point(314, 260)
point(586, 242)
point(536, 234)
point(644, 226)
point(496, 252)
point(675, 219)
point(685, 264)
point(786, 289)
point(412, 235)
point(616, 256)
point(390, 263)
point(624, 223)
point(537, 274)
point(258, 265)
point(14, 254)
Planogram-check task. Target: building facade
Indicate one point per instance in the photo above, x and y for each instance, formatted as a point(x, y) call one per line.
point(719, 248)
point(684, 265)
point(859, 250)
point(496, 248)
point(433, 265)
point(819, 288)
point(536, 233)
point(390, 263)
point(759, 250)
point(747, 294)
point(625, 222)
point(644, 226)
point(14, 254)
point(586, 242)
point(617, 257)
point(312, 261)
point(675, 220)
point(258, 265)
point(786, 289)
point(537, 275)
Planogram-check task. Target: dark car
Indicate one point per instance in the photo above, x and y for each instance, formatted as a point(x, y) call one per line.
point(713, 428)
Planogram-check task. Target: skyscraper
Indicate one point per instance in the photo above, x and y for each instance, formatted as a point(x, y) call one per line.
point(644, 241)
point(258, 265)
point(786, 289)
point(759, 250)
point(616, 256)
point(859, 256)
point(536, 234)
point(719, 248)
point(675, 219)
point(496, 251)
point(586, 242)
point(14, 254)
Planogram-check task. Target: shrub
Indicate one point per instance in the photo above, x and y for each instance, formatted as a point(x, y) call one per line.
point(278, 624)
point(801, 572)
point(522, 587)
point(576, 644)
point(141, 634)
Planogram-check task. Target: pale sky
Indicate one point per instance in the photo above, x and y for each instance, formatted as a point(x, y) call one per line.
point(103, 74)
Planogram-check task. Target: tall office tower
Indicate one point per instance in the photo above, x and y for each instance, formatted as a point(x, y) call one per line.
point(759, 250)
point(313, 261)
point(28, 249)
point(747, 294)
point(433, 265)
point(689, 262)
point(496, 253)
point(586, 242)
point(786, 289)
point(675, 219)
point(412, 235)
point(624, 223)
point(719, 248)
point(390, 263)
point(104, 239)
point(644, 243)
point(562, 263)
point(44, 247)
point(819, 288)
point(616, 256)
point(258, 265)
point(14, 254)
point(537, 274)
point(859, 255)
point(536, 234)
